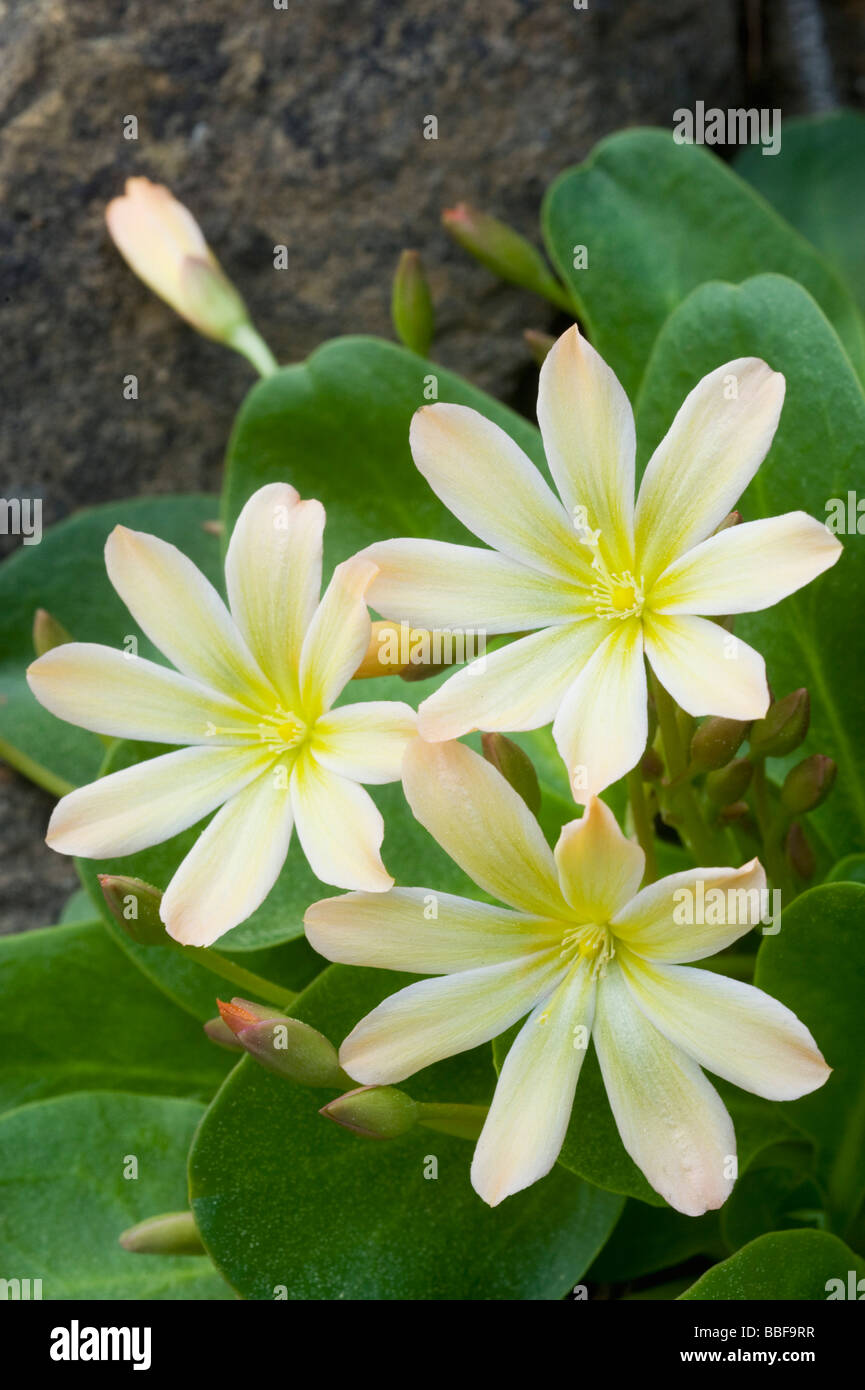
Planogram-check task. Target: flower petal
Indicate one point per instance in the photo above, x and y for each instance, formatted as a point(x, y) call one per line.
point(232, 866)
point(588, 430)
point(273, 577)
point(599, 868)
point(424, 931)
point(486, 480)
point(438, 585)
point(602, 724)
point(337, 637)
point(733, 1029)
point(705, 461)
point(110, 692)
point(182, 614)
point(706, 669)
point(520, 686)
point(440, 1017)
point(671, 1119)
point(747, 567)
point(526, 1124)
point(666, 921)
point(483, 824)
point(365, 742)
point(339, 827)
point(151, 801)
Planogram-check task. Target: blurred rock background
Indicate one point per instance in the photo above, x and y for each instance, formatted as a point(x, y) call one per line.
point(303, 126)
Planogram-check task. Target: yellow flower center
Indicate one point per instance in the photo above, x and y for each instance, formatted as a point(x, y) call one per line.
point(617, 595)
point(592, 944)
point(283, 730)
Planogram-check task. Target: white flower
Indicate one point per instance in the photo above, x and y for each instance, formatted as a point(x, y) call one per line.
point(251, 698)
point(581, 951)
point(602, 581)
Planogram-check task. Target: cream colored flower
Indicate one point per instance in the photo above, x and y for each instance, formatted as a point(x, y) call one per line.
point(580, 950)
point(163, 244)
point(252, 699)
point(603, 582)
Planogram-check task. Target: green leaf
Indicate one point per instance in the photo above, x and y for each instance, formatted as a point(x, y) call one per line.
point(283, 1197)
point(75, 1015)
point(336, 426)
point(648, 1239)
point(851, 869)
point(813, 638)
point(771, 1199)
point(816, 965)
point(65, 574)
point(66, 1199)
point(815, 183)
point(658, 219)
point(783, 1264)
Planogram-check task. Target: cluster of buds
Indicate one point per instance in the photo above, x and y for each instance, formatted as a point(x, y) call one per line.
point(283, 1045)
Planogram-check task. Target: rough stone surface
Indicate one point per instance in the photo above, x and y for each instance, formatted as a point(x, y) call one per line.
point(301, 127)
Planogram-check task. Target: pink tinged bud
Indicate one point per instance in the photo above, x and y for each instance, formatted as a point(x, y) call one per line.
point(516, 767)
point(375, 1112)
point(163, 244)
point(784, 727)
point(219, 1032)
point(503, 251)
point(283, 1045)
point(800, 855)
point(135, 905)
point(174, 1233)
point(48, 633)
point(807, 785)
point(411, 304)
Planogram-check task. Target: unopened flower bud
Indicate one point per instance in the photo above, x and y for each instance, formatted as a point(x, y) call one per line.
point(395, 649)
point(808, 784)
point(539, 344)
point(135, 905)
point(651, 766)
point(283, 1045)
point(800, 855)
point(219, 1032)
point(735, 811)
point(784, 726)
point(376, 1112)
point(729, 783)
point(48, 633)
point(174, 1233)
point(503, 251)
point(516, 767)
point(716, 741)
point(411, 305)
point(163, 244)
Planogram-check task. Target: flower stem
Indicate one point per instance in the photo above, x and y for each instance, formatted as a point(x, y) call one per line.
point(245, 980)
point(33, 771)
point(689, 821)
point(769, 830)
point(642, 822)
point(252, 346)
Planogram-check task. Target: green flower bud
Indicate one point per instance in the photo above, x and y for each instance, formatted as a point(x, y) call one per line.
point(784, 726)
point(735, 811)
point(48, 633)
point(504, 252)
point(174, 1233)
point(411, 305)
point(808, 784)
point(283, 1045)
point(135, 905)
point(219, 1032)
point(376, 1112)
point(729, 783)
point(651, 766)
point(516, 767)
point(716, 741)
